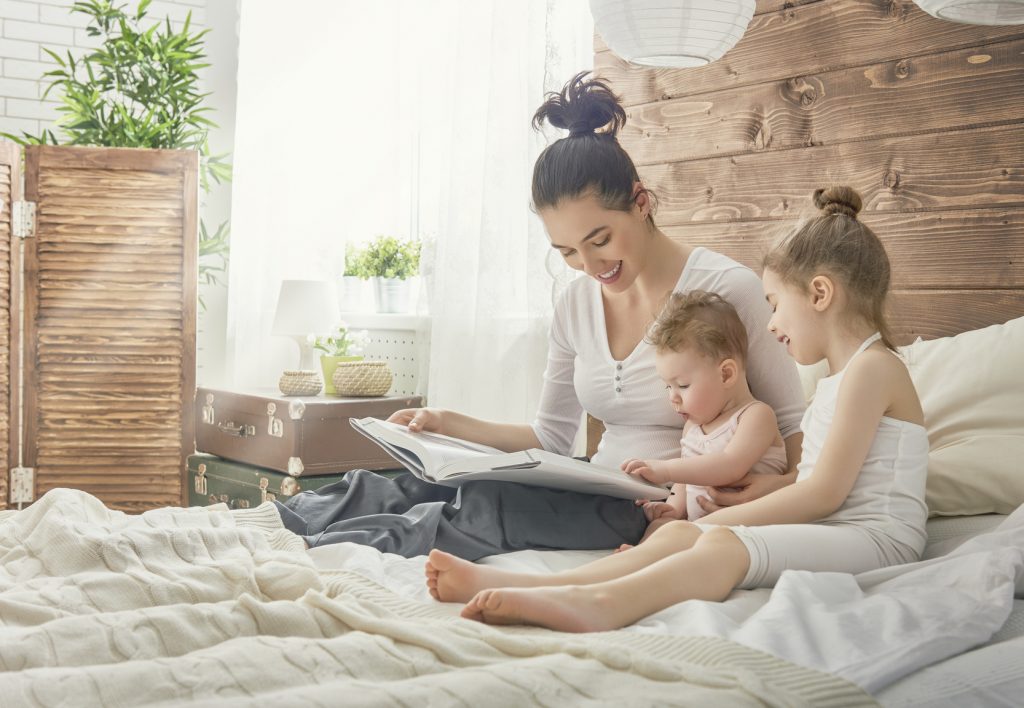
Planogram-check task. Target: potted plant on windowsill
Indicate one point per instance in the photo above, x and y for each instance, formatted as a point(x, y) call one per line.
point(355, 294)
point(343, 345)
point(392, 263)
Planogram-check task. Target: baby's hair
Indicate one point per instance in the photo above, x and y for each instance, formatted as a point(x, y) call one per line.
point(590, 159)
point(837, 244)
point(700, 321)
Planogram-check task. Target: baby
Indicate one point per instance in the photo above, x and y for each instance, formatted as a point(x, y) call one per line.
point(700, 351)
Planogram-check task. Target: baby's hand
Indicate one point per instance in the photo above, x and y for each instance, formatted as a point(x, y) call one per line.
point(651, 470)
point(654, 510)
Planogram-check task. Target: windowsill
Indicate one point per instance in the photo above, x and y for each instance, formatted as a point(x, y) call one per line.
point(383, 320)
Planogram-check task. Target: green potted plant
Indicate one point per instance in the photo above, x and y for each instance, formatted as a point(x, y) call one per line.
point(342, 345)
point(392, 263)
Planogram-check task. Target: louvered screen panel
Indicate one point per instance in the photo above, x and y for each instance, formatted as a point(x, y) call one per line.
point(10, 189)
point(110, 322)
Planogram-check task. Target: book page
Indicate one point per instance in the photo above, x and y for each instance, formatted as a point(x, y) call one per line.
point(431, 451)
point(549, 469)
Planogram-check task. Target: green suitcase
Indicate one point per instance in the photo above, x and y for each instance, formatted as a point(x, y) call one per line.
point(213, 480)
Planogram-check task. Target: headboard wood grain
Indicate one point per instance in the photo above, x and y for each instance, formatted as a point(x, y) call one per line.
point(923, 117)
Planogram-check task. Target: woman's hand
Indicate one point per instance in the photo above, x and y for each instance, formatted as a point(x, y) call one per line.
point(753, 486)
point(420, 420)
point(652, 470)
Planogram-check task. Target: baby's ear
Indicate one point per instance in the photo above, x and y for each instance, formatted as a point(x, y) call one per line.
point(729, 370)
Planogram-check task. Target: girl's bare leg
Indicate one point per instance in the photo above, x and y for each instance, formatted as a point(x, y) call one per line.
point(708, 571)
point(452, 579)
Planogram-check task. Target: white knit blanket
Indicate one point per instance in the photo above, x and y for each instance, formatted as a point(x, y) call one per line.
point(190, 606)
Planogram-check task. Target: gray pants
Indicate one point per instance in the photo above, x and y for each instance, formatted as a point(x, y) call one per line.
point(406, 516)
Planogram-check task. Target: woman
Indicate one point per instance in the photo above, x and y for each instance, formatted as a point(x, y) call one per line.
point(599, 216)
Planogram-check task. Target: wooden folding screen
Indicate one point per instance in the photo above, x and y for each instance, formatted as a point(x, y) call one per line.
point(109, 313)
point(10, 191)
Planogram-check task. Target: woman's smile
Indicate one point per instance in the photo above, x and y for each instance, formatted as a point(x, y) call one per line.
point(612, 275)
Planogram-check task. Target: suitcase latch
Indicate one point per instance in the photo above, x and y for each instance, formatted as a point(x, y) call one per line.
point(228, 427)
point(264, 485)
point(200, 480)
point(209, 416)
point(275, 426)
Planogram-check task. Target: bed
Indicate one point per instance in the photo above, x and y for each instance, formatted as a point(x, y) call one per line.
point(206, 605)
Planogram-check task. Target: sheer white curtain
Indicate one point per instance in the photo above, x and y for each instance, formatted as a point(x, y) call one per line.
point(409, 118)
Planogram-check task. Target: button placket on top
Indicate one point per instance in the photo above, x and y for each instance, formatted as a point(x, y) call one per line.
point(618, 377)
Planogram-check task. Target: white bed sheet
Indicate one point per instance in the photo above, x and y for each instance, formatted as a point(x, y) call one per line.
point(878, 630)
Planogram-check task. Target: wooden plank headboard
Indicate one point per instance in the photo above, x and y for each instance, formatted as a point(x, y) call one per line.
point(923, 117)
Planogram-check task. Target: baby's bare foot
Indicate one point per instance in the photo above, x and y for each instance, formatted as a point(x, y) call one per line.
point(451, 579)
point(566, 609)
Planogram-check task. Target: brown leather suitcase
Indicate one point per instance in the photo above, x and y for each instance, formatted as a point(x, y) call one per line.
point(300, 435)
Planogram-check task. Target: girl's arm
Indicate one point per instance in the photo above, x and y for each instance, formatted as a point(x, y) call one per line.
point(756, 431)
point(864, 397)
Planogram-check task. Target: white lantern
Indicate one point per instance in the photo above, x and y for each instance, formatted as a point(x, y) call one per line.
point(976, 12)
point(671, 33)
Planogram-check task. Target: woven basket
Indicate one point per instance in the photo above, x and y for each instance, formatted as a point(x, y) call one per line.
point(300, 383)
point(362, 378)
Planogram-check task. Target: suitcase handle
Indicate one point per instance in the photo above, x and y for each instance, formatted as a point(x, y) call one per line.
point(228, 427)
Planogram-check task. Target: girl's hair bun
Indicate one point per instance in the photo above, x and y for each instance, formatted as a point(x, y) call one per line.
point(838, 200)
point(582, 107)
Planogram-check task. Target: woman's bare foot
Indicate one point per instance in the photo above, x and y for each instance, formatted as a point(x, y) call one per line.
point(451, 579)
point(570, 608)
point(623, 547)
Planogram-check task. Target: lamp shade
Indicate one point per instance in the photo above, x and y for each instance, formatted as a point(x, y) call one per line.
point(976, 12)
point(305, 307)
point(671, 33)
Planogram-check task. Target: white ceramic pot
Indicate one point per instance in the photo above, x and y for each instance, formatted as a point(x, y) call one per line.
point(392, 294)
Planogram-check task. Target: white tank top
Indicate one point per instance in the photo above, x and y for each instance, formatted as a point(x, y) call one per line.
point(887, 500)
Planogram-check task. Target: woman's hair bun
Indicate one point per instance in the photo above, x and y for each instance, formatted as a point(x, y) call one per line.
point(582, 107)
point(838, 200)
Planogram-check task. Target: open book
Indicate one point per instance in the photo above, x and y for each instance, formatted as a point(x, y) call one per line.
point(449, 461)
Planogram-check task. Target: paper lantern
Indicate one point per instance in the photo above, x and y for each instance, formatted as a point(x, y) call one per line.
point(671, 33)
point(976, 12)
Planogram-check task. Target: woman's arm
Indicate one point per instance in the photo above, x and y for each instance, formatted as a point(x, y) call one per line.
point(504, 436)
point(864, 396)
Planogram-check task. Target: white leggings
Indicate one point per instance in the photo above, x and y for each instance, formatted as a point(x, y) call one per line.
point(815, 547)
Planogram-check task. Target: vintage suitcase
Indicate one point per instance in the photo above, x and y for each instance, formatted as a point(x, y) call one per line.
point(213, 480)
point(299, 435)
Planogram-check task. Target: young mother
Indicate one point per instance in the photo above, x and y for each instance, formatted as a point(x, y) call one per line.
point(599, 216)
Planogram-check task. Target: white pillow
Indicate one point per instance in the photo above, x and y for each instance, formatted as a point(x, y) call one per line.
point(972, 389)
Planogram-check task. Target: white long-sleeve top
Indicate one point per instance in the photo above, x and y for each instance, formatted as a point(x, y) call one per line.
point(627, 395)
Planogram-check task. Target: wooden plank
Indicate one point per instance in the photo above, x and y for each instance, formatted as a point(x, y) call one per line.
point(935, 250)
point(931, 314)
point(764, 7)
point(141, 160)
point(809, 40)
point(976, 168)
point(941, 91)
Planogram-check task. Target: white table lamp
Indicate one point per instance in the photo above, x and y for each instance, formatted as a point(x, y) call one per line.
point(305, 308)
